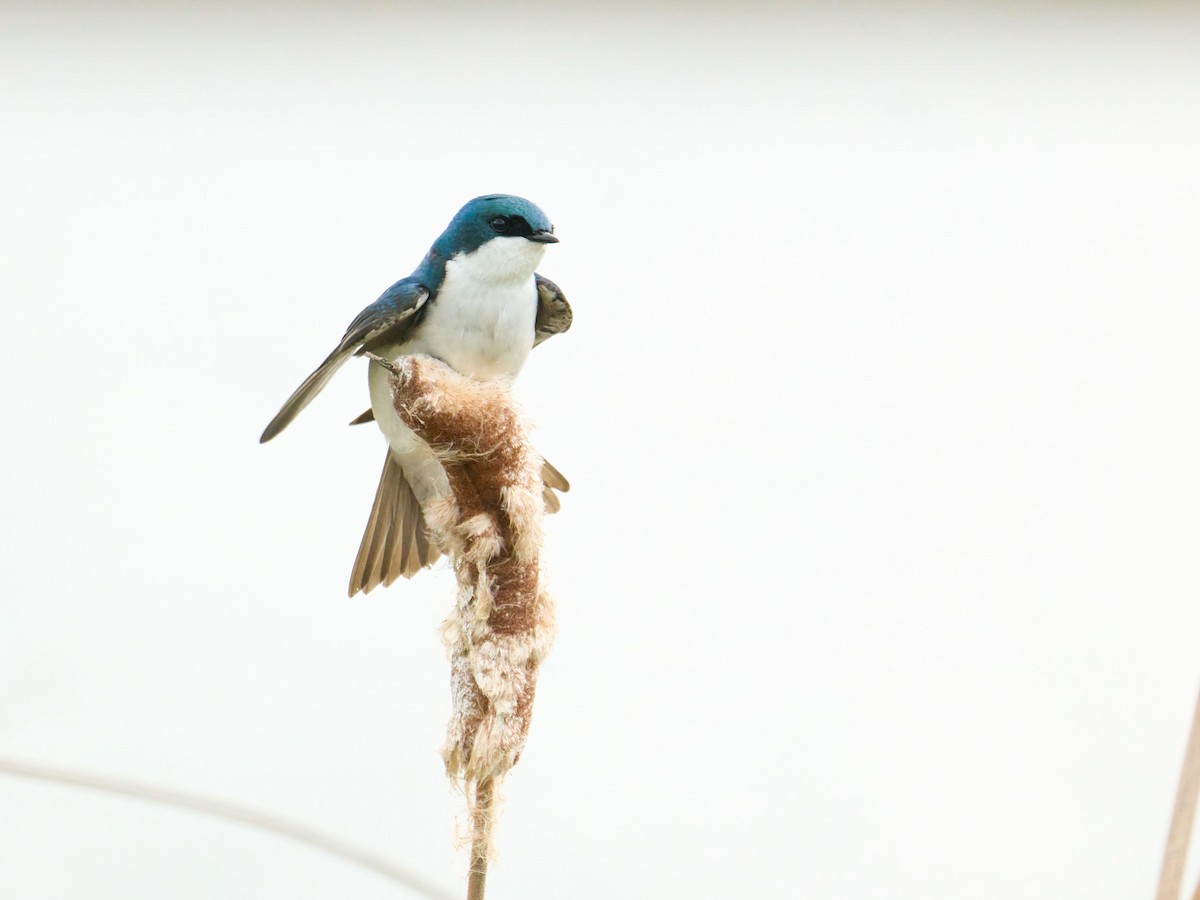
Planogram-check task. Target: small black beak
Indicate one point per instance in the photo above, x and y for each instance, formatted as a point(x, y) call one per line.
point(542, 237)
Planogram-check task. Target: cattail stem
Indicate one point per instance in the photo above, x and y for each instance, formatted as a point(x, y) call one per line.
point(487, 517)
point(481, 827)
point(1170, 882)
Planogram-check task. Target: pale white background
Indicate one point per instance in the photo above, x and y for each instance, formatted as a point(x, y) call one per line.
point(878, 578)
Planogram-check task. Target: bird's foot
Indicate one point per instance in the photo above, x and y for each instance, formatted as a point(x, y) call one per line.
point(386, 363)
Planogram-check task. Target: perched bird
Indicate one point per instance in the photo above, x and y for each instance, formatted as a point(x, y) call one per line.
point(474, 302)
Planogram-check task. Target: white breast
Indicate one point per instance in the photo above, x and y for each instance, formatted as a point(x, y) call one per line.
point(481, 321)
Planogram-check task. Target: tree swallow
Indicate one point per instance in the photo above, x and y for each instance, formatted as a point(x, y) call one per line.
point(476, 304)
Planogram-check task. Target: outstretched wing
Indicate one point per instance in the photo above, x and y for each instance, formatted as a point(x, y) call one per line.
point(553, 312)
point(386, 321)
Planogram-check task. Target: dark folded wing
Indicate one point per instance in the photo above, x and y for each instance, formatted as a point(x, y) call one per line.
point(386, 321)
point(553, 312)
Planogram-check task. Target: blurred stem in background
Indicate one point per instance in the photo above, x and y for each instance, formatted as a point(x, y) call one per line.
point(230, 812)
point(1170, 881)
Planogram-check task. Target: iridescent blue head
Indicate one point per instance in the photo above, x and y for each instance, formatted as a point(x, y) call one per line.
point(490, 217)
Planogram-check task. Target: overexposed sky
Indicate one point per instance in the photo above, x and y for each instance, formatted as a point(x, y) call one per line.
point(878, 575)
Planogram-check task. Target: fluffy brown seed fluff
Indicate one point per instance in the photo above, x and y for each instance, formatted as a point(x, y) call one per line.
point(490, 525)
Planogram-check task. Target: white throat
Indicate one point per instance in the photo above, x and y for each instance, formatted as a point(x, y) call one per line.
point(502, 260)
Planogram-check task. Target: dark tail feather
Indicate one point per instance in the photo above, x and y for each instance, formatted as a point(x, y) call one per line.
point(394, 542)
point(554, 478)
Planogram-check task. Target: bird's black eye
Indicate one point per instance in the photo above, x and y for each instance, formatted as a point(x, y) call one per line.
point(499, 224)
